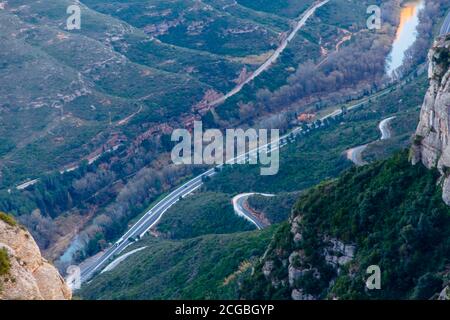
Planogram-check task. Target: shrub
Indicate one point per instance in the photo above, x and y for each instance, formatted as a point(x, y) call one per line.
point(5, 264)
point(8, 219)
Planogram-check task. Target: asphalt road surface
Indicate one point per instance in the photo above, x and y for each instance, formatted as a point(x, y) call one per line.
point(355, 154)
point(240, 209)
point(152, 216)
point(148, 220)
point(445, 29)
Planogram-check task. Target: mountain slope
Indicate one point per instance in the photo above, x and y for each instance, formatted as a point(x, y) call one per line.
point(198, 268)
point(388, 214)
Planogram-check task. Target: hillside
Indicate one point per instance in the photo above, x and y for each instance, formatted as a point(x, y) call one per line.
point(392, 214)
point(99, 103)
point(87, 116)
point(131, 67)
point(199, 268)
point(389, 214)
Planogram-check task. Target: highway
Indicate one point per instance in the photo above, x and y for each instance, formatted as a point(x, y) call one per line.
point(148, 220)
point(240, 210)
point(152, 216)
point(445, 29)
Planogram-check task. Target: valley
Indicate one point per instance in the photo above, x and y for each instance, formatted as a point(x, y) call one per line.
point(87, 146)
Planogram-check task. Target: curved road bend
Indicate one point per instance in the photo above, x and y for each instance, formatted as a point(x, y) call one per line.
point(239, 208)
point(355, 154)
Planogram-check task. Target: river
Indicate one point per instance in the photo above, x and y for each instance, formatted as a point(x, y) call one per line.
point(406, 34)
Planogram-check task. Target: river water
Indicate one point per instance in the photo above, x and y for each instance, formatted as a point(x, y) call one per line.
point(406, 34)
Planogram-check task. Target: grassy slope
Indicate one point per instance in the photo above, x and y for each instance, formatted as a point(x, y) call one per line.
point(149, 69)
point(322, 30)
point(201, 214)
point(187, 269)
point(277, 209)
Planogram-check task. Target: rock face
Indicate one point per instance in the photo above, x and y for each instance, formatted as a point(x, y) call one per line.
point(288, 266)
point(432, 141)
point(30, 276)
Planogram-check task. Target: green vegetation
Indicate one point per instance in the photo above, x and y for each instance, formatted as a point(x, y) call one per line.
point(200, 214)
point(5, 264)
point(185, 269)
point(393, 213)
point(277, 209)
point(282, 84)
point(307, 161)
point(320, 154)
point(405, 122)
point(8, 219)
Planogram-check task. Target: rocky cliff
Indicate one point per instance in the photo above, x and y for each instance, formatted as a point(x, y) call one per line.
point(388, 214)
point(24, 273)
point(432, 141)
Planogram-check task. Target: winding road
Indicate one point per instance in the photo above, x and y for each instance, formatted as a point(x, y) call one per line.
point(151, 217)
point(273, 58)
point(241, 210)
point(355, 154)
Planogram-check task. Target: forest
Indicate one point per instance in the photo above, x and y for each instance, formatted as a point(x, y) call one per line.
point(391, 211)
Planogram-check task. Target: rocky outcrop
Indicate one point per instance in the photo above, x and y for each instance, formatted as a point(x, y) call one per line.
point(289, 267)
point(29, 275)
point(431, 144)
point(337, 253)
